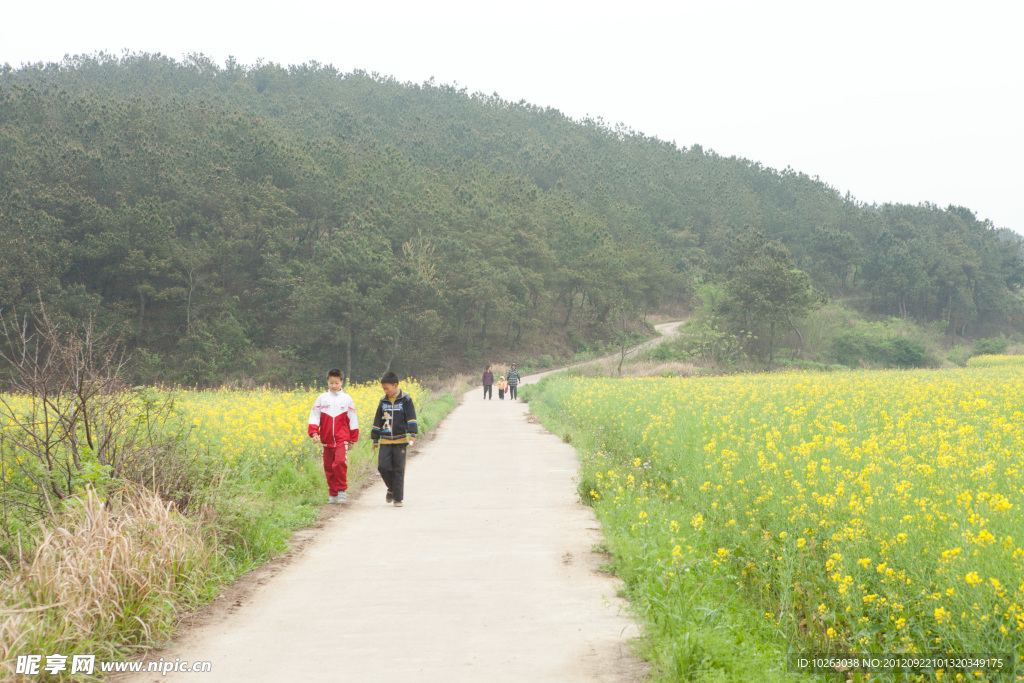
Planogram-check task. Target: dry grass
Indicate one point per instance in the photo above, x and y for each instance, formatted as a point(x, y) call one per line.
point(456, 385)
point(646, 368)
point(100, 570)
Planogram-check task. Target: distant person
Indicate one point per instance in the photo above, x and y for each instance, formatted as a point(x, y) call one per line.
point(502, 388)
point(488, 382)
point(334, 425)
point(395, 428)
point(513, 382)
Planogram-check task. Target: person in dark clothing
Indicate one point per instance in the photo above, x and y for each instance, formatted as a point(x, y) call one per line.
point(513, 382)
point(395, 428)
point(488, 382)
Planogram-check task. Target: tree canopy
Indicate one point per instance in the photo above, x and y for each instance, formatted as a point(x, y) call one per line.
point(257, 220)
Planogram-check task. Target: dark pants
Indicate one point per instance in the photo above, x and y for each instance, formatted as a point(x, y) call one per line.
point(487, 391)
point(391, 465)
point(512, 390)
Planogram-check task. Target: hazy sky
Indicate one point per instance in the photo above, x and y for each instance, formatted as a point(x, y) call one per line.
point(891, 101)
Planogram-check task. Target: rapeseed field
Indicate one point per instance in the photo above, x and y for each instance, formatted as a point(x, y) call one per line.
point(249, 435)
point(992, 360)
point(860, 512)
point(262, 429)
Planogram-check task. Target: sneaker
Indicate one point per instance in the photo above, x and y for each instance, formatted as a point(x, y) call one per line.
point(332, 499)
point(342, 497)
point(398, 503)
point(390, 497)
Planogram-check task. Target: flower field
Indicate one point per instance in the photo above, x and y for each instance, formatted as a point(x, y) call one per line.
point(861, 512)
point(991, 360)
point(262, 429)
point(251, 436)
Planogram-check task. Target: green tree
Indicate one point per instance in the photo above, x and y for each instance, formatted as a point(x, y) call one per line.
point(766, 292)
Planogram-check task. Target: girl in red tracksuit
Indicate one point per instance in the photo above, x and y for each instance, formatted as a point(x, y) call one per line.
point(333, 423)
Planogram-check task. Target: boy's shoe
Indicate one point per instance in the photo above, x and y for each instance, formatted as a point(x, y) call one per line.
point(398, 503)
point(390, 497)
point(332, 499)
point(342, 497)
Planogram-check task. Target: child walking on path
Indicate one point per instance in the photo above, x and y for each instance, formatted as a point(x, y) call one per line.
point(395, 428)
point(513, 382)
point(502, 388)
point(334, 425)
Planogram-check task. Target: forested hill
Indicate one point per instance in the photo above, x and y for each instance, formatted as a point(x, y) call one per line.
point(263, 221)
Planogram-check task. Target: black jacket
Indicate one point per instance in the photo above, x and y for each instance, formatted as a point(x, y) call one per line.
point(394, 420)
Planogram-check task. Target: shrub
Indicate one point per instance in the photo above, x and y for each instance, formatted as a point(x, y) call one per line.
point(875, 345)
point(71, 423)
point(851, 347)
point(991, 347)
point(904, 353)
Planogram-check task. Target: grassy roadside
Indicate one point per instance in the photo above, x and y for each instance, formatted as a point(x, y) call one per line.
point(111, 573)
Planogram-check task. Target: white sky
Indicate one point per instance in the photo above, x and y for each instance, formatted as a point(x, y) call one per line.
point(893, 101)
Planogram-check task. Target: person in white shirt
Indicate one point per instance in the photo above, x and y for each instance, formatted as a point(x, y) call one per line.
point(334, 425)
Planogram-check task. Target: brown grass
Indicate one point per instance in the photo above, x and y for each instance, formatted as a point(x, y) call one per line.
point(456, 384)
point(644, 368)
point(98, 570)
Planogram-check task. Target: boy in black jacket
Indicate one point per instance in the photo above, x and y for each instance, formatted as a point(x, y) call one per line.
point(395, 428)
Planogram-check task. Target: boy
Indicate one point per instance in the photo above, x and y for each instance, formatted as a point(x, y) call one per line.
point(395, 427)
point(333, 424)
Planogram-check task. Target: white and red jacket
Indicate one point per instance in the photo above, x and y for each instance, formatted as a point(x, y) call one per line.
point(334, 418)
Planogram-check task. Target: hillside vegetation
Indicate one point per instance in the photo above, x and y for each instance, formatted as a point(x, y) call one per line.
point(254, 221)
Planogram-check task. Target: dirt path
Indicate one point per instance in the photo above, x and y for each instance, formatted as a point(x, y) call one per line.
point(488, 573)
point(667, 331)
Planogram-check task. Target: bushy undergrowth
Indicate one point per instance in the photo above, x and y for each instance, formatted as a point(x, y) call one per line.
point(828, 337)
point(993, 347)
point(872, 345)
point(871, 511)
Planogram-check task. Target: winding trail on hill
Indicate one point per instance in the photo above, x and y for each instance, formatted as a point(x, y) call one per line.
point(488, 573)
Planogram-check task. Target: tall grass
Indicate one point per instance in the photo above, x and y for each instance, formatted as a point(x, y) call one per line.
point(104, 577)
point(874, 512)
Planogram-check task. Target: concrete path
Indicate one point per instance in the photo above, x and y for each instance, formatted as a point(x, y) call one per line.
point(487, 574)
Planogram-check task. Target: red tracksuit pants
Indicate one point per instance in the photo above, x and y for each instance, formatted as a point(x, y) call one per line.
point(336, 468)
